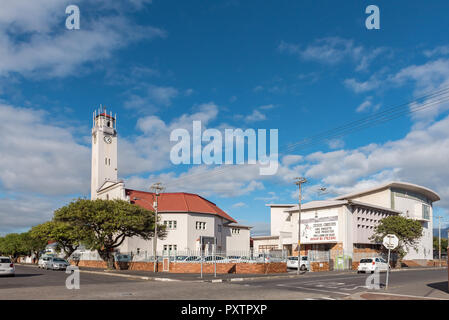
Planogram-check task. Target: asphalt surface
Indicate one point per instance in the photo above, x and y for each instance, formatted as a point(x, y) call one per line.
point(421, 283)
point(33, 283)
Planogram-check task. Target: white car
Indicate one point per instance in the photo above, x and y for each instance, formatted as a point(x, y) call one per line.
point(7, 267)
point(372, 264)
point(57, 264)
point(292, 263)
point(43, 262)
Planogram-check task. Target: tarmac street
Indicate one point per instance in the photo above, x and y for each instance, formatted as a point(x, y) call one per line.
point(33, 283)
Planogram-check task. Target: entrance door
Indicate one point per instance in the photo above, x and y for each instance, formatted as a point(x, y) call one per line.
point(289, 249)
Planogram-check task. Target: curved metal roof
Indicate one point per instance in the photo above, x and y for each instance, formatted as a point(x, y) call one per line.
point(430, 194)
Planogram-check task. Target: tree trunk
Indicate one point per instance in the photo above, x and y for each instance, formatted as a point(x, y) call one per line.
point(107, 257)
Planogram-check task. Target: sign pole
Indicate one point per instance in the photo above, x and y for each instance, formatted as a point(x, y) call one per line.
point(388, 269)
point(390, 242)
point(201, 255)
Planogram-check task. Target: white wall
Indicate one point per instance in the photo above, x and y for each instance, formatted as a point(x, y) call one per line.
point(279, 222)
point(378, 198)
point(238, 243)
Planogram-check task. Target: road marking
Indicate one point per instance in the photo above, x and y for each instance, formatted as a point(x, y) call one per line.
point(312, 289)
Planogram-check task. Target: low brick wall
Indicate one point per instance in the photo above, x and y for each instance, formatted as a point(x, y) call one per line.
point(319, 266)
point(222, 268)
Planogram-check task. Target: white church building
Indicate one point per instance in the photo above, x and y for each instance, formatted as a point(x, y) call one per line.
point(189, 218)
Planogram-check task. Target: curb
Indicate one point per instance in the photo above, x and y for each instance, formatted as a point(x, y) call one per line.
point(358, 296)
point(109, 273)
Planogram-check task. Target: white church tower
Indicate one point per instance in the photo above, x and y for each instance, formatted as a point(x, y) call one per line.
point(104, 181)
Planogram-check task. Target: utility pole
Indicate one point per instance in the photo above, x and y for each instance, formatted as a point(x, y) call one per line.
point(299, 182)
point(439, 239)
point(157, 187)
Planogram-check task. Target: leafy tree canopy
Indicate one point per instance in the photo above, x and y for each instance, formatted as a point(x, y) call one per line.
point(407, 230)
point(103, 225)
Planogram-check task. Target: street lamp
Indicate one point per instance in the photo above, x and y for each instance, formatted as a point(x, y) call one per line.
point(157, 187)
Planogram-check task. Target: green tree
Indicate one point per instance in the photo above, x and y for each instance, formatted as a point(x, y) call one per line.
point(13, 245)
point(64, 234)
point(407, 230)
point(34, 243)
point(443, 244)
point(103, 225)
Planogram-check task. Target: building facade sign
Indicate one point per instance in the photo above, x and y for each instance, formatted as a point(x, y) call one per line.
point(319, 229)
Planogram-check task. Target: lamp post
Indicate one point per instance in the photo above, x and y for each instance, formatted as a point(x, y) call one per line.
point(299, 182)
point(157, 187)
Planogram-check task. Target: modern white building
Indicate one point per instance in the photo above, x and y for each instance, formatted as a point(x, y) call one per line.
point(191, 221)
point(346, 223)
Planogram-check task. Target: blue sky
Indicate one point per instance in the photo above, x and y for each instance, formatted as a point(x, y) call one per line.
point(302, 67)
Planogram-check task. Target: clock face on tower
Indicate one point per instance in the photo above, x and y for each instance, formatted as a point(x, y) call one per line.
point(108, 139)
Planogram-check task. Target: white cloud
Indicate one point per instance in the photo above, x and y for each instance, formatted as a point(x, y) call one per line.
point(438, 51)
point(336, 143)
point(19, 213)
point(162, 95)
point(39, 157)
point(333, 50)
point(363, 86)
point(150, 149)
point(239, 205)
point(255, 116)
point(368, 105)
point(152, 97)
point(420, 157)
point(35, 43)
point(271, 196)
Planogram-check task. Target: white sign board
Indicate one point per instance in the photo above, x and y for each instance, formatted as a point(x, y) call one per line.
point(390, 241)
point(319, 230)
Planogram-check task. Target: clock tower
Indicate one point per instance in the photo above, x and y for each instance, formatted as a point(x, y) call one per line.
point(104, 151)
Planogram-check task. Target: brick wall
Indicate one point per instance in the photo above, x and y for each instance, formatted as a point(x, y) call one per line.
point(366, 250)
point(239, 268)
point(319, 266)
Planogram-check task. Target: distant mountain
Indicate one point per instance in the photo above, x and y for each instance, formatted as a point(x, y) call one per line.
point(443, 232)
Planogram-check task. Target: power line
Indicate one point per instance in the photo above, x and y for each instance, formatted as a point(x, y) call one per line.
point(223, 169)
point(441, 95)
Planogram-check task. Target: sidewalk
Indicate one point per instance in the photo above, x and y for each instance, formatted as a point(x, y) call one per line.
point(389, 296)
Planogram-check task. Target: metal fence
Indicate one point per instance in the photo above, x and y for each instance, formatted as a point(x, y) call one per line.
point(343, 260)
point(190, 256)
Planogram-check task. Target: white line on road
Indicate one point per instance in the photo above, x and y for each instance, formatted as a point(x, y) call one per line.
point(345, 294)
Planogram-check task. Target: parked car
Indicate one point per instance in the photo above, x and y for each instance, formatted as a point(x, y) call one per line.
point(292, 263)
point(263, 258)
point(43, 261)
point(234, 259)
point(123, 257)
point(7, 267)
point(191, 259)
point(218, 259)
point(372, 264)
point(56, 264)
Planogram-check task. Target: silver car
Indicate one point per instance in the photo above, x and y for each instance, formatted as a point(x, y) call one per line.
point(7, 267)
point(56, 264)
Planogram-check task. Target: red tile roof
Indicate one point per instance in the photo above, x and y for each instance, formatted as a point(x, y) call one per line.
point(177, 202)
point(105, 114)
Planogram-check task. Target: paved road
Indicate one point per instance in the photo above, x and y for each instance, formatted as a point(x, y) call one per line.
point(34, 283)
point(423, 283)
